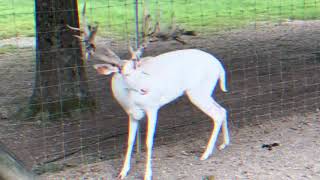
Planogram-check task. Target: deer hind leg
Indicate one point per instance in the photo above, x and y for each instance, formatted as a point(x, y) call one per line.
point(218, 115)
point(225, 131)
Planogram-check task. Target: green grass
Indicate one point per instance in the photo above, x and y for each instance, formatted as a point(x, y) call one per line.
point(8, 49)
point(117, 16)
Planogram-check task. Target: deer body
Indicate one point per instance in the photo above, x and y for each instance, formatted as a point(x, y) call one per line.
point(168, 76)
point(159, 80)
point(121, 91)
point(143, 85)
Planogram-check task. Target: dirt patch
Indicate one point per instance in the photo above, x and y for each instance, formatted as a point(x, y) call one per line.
point(21, 42)
point(297, 157)
point(273, 72)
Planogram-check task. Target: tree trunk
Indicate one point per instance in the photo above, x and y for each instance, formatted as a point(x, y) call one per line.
point(60, 83)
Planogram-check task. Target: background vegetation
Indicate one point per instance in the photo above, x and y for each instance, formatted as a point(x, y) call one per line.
point(117, 16)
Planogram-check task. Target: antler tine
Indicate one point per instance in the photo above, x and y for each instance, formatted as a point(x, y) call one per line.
point(73, 28)
point(86, 29)
point(131, 51)
point(146, 25)
point(87, 34)
point(147, 34)
point(153, 35)
point(84, 9)
point(146, 30)
point(173, 25)
point(136, 55)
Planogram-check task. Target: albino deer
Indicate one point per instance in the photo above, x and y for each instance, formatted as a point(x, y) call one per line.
point(143, 88)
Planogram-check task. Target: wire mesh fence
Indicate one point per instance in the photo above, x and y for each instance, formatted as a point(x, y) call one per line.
point(270, 50)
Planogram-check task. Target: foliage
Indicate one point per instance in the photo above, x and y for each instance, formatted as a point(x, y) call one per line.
point(116, 17)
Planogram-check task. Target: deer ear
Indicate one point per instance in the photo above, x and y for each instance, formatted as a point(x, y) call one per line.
point(106, 69)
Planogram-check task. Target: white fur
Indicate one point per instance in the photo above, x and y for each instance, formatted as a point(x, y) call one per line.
point(159, 80)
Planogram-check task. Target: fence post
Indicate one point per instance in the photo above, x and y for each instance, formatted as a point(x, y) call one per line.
point(138, 144)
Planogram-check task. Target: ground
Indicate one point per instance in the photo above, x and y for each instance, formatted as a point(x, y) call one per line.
point(273, 80)
point(297, 157)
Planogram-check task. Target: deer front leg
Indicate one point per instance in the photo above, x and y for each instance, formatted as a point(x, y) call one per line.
point(133, 124)
point(152, 121)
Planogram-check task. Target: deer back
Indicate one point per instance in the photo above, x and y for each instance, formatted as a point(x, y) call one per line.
point(167, 76)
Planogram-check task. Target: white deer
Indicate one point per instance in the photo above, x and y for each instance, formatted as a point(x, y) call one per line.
point(143, 87)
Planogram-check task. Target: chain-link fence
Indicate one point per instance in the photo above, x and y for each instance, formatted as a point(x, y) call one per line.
point(270, 50)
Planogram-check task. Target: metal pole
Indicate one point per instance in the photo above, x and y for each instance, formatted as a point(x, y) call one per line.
point(137, 23)
point(138, 144)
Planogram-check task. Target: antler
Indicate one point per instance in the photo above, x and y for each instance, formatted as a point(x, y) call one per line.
point(108, 56)
point(88, 33)
point(147, 34)
point(173, 32)
point(85, 31)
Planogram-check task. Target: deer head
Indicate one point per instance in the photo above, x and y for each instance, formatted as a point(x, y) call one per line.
point(114, 62)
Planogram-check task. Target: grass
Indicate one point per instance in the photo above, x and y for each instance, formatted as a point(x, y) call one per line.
point(116, 17)
point(8, 49)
